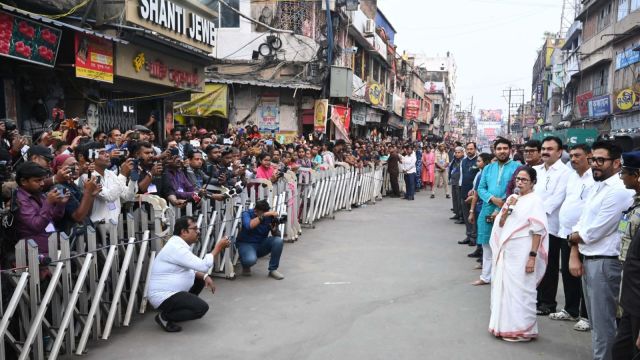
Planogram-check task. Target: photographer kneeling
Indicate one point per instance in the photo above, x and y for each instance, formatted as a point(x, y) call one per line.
point(254, 241)
point(178, 276)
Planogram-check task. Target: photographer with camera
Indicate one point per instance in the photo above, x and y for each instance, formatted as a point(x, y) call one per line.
point(176, 187)
point(115, 188)
point(254, 241)
point(37, 211)
point(148, 169)
point(80, 202)
point(178, 276)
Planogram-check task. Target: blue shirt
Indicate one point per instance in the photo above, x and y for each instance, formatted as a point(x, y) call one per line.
point(257, 234)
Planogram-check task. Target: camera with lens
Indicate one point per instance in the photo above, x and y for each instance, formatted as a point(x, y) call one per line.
point(280, 219)
point(281, 173)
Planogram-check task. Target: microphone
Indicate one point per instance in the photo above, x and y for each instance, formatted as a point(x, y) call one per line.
point(516, 192)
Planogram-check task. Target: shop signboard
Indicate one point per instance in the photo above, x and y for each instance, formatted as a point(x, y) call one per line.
point(539, 94)
point(627, 57)
point(140, 63)
point(626, 100)
point(600, 106)
point(27, 40)
point(184, 21)
point(94, 58)
point(359, 115)
point(530, 121)
point(491, 115)
point(269, 114)
point(320, 110)
point(583, 103)
point(375, 93)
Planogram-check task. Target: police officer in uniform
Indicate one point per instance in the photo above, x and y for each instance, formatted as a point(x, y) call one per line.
point(627, 341)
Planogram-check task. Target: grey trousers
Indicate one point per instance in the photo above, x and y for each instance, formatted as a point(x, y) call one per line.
point(601, 286)
point(455, 198)
point(471, 228)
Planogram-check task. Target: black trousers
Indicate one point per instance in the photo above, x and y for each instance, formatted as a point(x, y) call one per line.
point(472, 233)
point(455, 199)
point(184, 306)
point(624, 347)
point(395, 186)
point(548, 287)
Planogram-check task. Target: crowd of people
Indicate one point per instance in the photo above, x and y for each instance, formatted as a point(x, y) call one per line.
point(541, 210)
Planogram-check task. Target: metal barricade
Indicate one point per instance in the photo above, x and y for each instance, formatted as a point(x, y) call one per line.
point(98, 279)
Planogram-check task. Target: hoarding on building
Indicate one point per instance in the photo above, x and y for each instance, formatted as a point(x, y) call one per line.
point(94, 58)
point(412, 109)
point(600, 106)
point(491, 115)
point(627, 57)
point(269, 114)
point(27, 40)
point(320, 110)
point(582, 101)
point(626, 99)
point(432, 87)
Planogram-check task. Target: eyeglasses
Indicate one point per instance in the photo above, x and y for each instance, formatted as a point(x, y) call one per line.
point(522, 180)
point(530, 151)
point(598, 160)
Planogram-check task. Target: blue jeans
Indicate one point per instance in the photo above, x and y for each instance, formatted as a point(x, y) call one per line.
point(410, 182)
point(250, 252)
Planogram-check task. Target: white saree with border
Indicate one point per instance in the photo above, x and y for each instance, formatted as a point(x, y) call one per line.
point(513, 290)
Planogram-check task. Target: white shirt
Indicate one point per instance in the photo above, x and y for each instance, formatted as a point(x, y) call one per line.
point(106, 205)
point(174, 270)
point(409, 163)
point(598, 224)
point(578, 190)
point(551, 188)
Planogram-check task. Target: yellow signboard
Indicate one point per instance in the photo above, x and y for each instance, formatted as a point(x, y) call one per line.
point(376, 93)
point(321, 108)
point(626, 99)
point(212, 103)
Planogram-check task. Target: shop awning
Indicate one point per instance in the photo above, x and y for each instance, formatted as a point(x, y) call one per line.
point(271, 84)
point(48, 21)
point(212, 103)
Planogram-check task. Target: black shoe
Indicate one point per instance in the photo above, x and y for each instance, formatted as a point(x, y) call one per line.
point(544, 310)
point(479, 260)
point(454, 217)
point(167, 325)
point(459, 222)
point(475, 254)
point(433, 196)
point(448, 196)
point(465, 241)
point(472, 243)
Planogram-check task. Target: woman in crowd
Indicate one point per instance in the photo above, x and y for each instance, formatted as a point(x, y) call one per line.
point(519, 242)
point(428, 168)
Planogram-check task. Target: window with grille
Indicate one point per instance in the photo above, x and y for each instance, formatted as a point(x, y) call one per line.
point(296, 16)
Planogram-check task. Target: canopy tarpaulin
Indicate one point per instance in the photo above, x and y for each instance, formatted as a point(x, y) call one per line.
point(212, 103)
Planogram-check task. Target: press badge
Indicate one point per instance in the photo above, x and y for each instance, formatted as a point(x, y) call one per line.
point(152, 188)
point(623, 226)
point(111, 206)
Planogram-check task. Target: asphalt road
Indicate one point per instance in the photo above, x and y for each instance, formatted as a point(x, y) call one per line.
point(385, 281)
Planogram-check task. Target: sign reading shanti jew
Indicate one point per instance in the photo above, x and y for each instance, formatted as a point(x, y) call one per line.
point(185, 21)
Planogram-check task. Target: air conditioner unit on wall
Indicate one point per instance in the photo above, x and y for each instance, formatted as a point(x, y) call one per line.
point(369, 27)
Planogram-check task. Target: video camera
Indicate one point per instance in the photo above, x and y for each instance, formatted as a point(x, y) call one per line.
point(280, 219)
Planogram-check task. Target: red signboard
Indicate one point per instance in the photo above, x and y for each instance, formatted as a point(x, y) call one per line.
point(582, 101)
point(411, 109)
point(94, 58)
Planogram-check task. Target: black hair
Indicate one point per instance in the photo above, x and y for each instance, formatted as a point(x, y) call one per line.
point(29, 170)
point(138, 145)
point(114, 128)
point(192, 153)
point(533, 175)
point(97, 134)
point(555, 139)
point(83, 149)
point(183, 224)
point(534, 144)
point(262, 156)
point(486, 158)
point(502, 140)
point(475, 146)
point(614, 150)
point(583, 147)
point(262, 205)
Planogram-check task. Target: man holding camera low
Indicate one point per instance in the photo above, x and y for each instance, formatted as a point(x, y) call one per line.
point(254, 241)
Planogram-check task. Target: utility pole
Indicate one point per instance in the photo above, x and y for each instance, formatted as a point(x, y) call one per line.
point(508, 95)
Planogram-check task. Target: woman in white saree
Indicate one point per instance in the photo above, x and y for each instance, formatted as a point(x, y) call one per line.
point(519, 241)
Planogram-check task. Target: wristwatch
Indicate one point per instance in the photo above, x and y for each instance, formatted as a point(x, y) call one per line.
point(533, 254)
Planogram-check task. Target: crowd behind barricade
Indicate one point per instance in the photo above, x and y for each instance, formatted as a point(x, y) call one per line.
point(540, 210)
point(71, 179)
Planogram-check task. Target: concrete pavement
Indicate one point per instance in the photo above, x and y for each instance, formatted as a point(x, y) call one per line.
point(387, 281)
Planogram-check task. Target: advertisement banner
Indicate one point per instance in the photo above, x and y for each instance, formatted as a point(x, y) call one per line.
point(375, 93)
point(582, 101)
point(320, 110)
point(431, 87)
point(341, 118)
point(212, 103)
point(491, 115)
point(94, 58)
point(269, 114)
point(23, 39)
point(625, 100)
point(539, 94)
point(530, 120)
point(412, 109)
point(600, 106)
point(359, 115)
point(626, 58)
